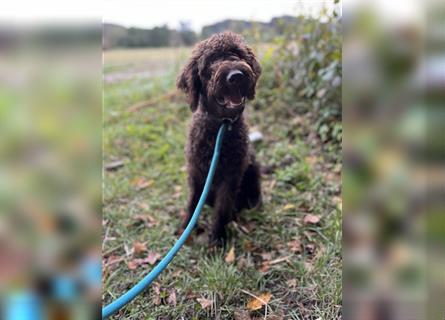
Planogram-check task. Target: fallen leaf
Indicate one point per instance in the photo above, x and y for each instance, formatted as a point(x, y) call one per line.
point(141, 183)
point(152, 257)
point(265, 266)
point(146, 219)
point(178, 192)
point(171, 297)
point(289, 206)
point(308, 266)
point(266, 256)
point(139, 247)
point(258, 302)
point(292, 283)
point(311, 219)
point(189, 294)
point(205, 303)
point(157, 293)
point(230, 257)
point(132, 264)
point(249, 246)
point(177, 273)
point(241, 263)
point(294, 246)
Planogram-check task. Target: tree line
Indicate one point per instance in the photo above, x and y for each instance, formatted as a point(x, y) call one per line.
point(115, 36)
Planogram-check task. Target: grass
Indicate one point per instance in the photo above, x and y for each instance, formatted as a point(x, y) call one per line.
point(300, 178)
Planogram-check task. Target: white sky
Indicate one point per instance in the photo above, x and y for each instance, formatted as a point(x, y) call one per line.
point(146, 13)
point(141, 13)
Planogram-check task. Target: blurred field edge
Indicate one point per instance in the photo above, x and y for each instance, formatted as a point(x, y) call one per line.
point(50, 173)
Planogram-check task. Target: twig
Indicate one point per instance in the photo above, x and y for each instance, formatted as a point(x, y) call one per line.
point(113, 166)
point(243, 229)
point(115, 261)
point(282, 259)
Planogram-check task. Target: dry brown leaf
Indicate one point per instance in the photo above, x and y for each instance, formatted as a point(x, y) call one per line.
point(152, 257)
point(230, 257)
point(141, 183)
point(205, 303)
point(259, 301)
point(294, 246)
point(265, 266)
point(178, 192)
point(132, 264)
point(311, 219)
point(266, 256)
point(138, 248)
point(148, 220)
point(157, 293)
point(308, 266)
point(289, 206)
point(241, 263)
point(249, 246)
point(171, 297)
point(292, 283)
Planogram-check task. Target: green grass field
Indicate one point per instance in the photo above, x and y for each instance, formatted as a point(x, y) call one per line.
point(290, 250)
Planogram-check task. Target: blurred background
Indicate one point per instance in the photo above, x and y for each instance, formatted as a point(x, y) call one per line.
point(393, 155)
point(392, 138)
point(50, 162)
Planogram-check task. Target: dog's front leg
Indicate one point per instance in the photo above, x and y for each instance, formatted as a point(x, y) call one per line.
point(225, 196)
point(195, 186)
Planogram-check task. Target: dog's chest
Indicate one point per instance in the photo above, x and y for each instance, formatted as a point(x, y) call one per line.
point(233, 152)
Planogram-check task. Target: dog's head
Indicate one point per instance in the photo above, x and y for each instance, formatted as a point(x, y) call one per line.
point(222, 71)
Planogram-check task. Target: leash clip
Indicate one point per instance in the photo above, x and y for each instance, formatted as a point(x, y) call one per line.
point(229, 123)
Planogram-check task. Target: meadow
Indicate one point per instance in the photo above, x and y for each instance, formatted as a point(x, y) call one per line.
point(282, 261)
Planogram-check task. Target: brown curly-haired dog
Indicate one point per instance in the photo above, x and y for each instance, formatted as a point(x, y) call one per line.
point(221, 73)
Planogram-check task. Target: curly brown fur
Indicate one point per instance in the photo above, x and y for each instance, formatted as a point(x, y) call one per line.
point(221, 73)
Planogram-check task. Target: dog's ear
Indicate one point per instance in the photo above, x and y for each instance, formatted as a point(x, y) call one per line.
point(256, 69)
point(253, 62)
point(189, 82)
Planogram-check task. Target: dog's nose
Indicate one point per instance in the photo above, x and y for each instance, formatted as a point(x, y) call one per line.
point(235, 76)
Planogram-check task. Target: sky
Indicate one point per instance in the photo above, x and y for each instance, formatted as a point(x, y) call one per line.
point(139, 13)
point(150, 13)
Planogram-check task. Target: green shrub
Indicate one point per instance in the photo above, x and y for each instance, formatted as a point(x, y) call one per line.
point(303, 73)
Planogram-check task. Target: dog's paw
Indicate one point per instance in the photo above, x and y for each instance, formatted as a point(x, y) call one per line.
point(217, 240)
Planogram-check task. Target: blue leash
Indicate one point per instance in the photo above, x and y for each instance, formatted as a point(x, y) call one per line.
point(148, 279)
